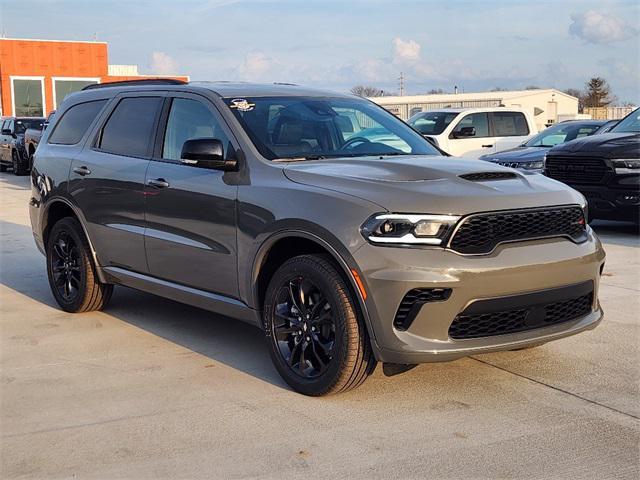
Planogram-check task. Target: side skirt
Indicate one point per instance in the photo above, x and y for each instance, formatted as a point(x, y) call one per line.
point(180, 293)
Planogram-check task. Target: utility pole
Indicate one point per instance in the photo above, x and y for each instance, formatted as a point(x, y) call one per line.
point(401, 84)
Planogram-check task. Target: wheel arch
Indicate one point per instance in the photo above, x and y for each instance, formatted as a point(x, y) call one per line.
point(58, 208)
point(283, 245)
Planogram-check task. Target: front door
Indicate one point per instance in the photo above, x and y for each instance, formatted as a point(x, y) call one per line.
point(190, 232)
point(475, 145)
point(107, 181)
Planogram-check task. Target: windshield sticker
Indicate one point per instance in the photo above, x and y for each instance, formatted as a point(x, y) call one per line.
point(242, 105)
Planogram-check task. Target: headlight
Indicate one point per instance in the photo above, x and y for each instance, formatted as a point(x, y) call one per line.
point(537, 165)
point(626, 165)
point(408, 229)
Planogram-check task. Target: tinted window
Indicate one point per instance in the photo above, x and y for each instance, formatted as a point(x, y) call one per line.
point(629, 124)
point(22, 124)
point(560, 133)
point(510, 124)
point(189, 119)
point(479, 121)
point(130, 127)
point(74, 123)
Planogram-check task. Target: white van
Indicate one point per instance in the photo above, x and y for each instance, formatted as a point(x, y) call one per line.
point(472, 132)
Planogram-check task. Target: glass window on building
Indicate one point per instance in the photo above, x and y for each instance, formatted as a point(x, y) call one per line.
point(65, 87)
point(27, 96)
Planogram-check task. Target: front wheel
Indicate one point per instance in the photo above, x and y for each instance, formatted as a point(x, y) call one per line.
point(316, 336)
point(71, 273)
point(15, 162)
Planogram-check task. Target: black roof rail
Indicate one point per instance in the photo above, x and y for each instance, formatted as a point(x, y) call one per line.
point(145, 81)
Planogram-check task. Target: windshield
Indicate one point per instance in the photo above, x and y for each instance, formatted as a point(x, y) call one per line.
point(321, 127)
point(431, 123)
point(22, 124)
point(562, 133)
point(629, 124)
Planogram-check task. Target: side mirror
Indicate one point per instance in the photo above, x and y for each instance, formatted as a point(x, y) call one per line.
point(7, 131)
point(206, 153)
point(465, 132)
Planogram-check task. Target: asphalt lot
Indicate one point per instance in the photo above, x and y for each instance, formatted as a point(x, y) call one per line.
point(150, 388)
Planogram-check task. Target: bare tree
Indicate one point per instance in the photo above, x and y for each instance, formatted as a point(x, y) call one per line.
point(579, 94)
point(532, 87)
point(435, 91)
point(367, 91)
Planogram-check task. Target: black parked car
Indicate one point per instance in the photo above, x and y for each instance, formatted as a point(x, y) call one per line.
point(530, 155)
point(12, 149)
point(604, 168)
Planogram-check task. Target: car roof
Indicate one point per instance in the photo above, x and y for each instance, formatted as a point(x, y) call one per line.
point(221, 89)
point(474, 110)
point(586, 121)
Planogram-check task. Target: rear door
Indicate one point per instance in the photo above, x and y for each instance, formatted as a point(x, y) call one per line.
point(5, 141)
point(191, 212)
point(471, 146)
point(511, 129)
point(107, 179)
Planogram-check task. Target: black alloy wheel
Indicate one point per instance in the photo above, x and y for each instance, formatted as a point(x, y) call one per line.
point(304, 327)
point(314, 328)
point(72, 275)
point(66, 266)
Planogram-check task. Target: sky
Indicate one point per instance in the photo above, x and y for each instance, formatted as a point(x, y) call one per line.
point(474, 45)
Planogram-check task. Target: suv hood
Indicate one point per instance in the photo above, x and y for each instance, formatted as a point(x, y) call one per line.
point(518, 154)
point(425, 184)
point(608, 145)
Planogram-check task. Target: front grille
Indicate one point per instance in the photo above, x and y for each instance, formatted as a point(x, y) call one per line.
point(488, 176)
point(481, 233)
point(413, 301)
point(581, 170)
point(487, 318)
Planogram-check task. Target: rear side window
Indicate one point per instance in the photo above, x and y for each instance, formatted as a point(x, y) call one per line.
point(130, 127)
point(510, 124)
point(74, 123)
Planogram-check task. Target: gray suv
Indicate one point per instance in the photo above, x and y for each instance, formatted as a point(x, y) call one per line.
point(320, 218)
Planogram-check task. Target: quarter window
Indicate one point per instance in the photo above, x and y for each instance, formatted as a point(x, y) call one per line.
point(130, 127)
point(75, 122)
point(189, 119)
point(510, 124)
point(479, 121)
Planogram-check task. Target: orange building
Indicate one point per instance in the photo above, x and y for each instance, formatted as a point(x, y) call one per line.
point(36, 75)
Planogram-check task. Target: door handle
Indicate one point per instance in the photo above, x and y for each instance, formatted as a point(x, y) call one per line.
point(158, 183)
point(487, 146)
point(82, 170)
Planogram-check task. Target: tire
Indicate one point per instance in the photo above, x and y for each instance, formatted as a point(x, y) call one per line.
point(3, 167)
point(318, 343)
point(15, 162)
point(70, 269)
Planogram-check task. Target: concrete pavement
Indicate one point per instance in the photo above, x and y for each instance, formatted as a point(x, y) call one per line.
point(150, 388)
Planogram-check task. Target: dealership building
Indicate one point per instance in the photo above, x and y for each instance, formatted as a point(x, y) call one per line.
point(36, 75)
point(547, 106)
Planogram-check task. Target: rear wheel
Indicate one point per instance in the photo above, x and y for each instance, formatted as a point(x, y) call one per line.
point(3, 167)
point(71, 273)
point(316, 336)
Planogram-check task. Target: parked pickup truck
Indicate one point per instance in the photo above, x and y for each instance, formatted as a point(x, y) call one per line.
point(472, 132)
point(12, 147)
point(604, 168)
point(32, 138)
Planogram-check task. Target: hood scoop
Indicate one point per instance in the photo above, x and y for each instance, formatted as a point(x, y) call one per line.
point(488, 176)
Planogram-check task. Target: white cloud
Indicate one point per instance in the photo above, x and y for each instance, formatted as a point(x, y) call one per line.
point(163, 64)
point(599, 27)
point(405, 50)
point(255, 67)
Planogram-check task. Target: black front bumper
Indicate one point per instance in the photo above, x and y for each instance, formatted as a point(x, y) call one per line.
point(607, 203)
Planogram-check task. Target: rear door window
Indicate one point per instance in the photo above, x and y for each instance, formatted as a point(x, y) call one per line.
point(510, 124)
point(130, 127)
point(75, 122)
